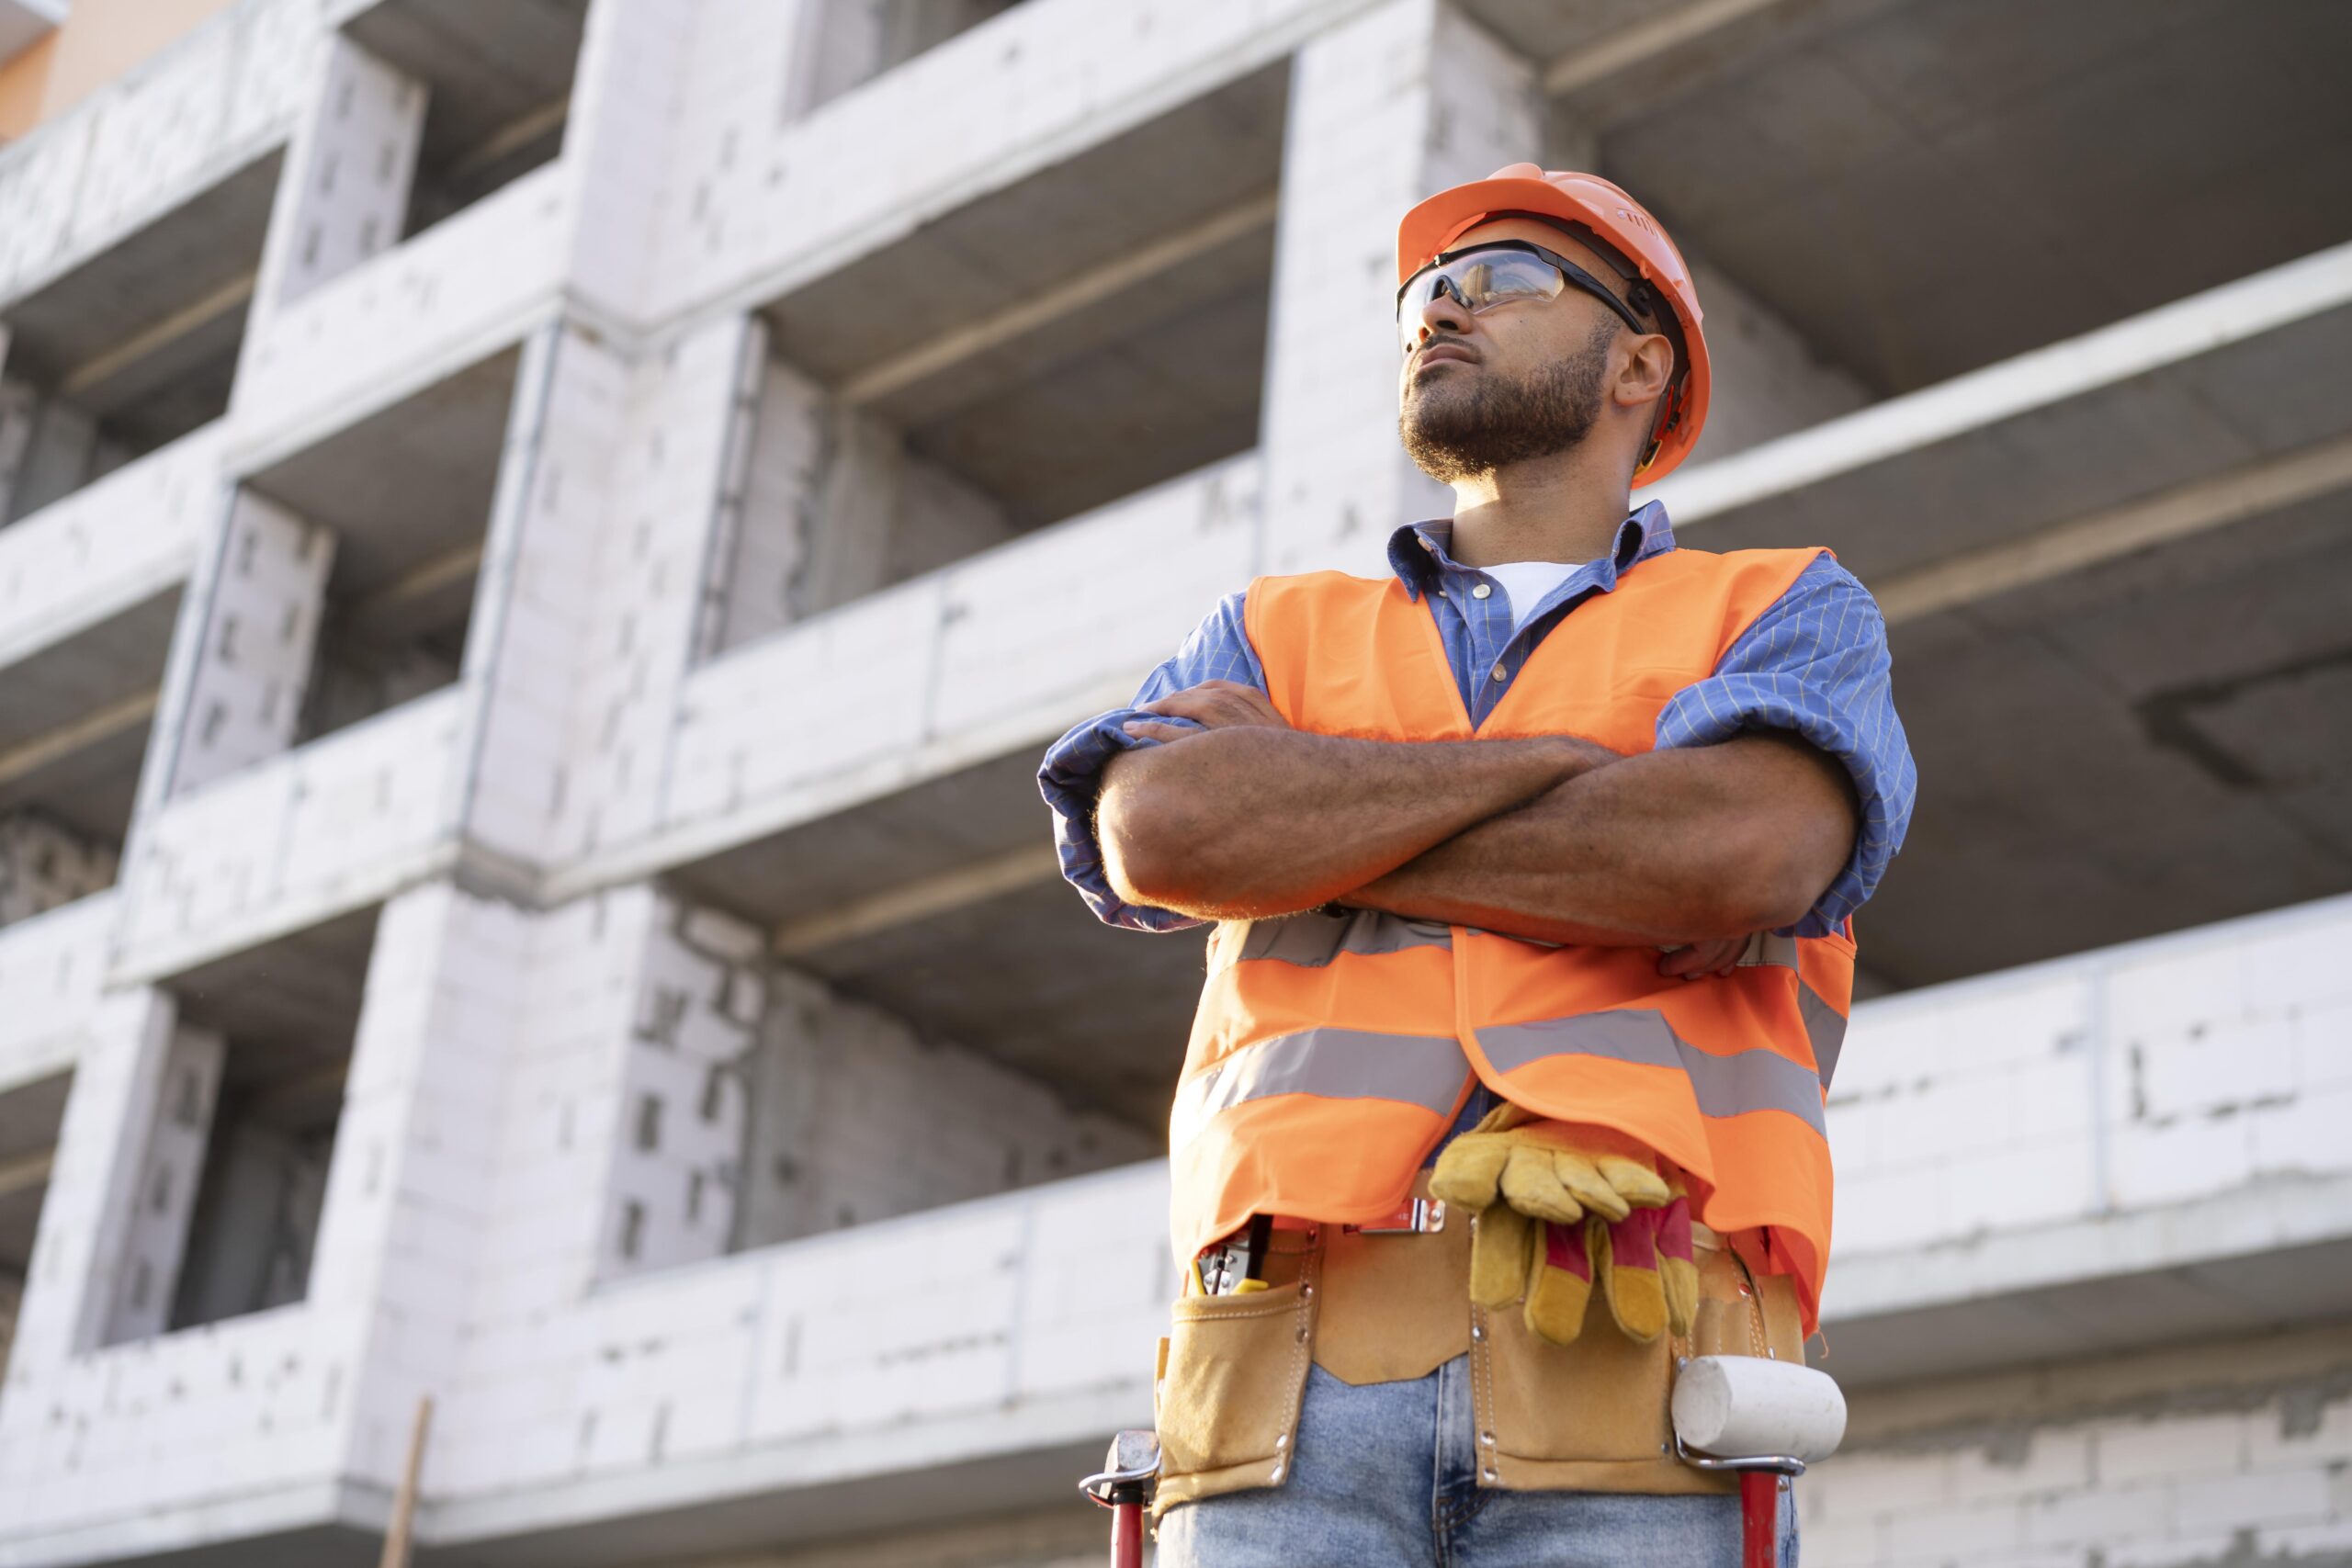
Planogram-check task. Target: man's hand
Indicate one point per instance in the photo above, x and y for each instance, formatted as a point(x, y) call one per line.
point(1213, 704)
point(1700, 959)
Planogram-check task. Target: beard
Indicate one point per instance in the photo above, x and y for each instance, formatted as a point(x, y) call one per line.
point(1453, 433)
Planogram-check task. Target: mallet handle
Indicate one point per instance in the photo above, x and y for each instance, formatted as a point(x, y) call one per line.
point(1760, 1518)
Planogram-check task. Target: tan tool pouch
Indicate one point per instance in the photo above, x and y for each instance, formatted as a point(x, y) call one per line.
point(1593, 1415)
point(1232, 1373)
point(1587, 1416)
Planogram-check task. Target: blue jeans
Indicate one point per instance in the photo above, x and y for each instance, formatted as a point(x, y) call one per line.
point(1385, 1474)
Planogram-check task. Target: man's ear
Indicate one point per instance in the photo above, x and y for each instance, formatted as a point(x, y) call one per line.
point(1648, 367)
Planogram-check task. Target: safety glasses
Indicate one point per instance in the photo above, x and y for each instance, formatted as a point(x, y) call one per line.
point(1503, 271)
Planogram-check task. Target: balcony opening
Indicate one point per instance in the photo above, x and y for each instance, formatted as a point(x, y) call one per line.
point(405, 495)
point(132, 349)
point(971, 382)
point(30, 1113)
point(848, 42)
point(765, 1102)
point(498, 86)
point(74, 721)
point(233, 1176)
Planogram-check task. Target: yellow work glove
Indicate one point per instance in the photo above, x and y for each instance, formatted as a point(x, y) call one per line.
point(1561, 1204)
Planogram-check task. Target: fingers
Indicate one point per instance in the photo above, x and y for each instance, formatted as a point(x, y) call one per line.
point(1559, 1284)
point(1500, 1253)
point(1218, 705)
point(1150, 731)
point(1467, 1171)
point(1625, 1257)
point(1677, 1265)
point(1635, 1181)
point(1704, 960)
point(1532, 1183)
point(1592, 1192)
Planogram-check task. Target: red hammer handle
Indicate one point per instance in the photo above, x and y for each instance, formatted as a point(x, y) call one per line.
point(1126, 1534)
point(1760, 1518)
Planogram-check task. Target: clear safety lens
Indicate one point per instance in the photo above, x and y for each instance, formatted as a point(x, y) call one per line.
point(1481, 280)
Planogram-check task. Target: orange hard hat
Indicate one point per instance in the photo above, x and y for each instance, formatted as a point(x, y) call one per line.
point(1622, 232)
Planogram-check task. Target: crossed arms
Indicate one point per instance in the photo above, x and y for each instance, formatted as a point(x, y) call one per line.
point(1552, 838)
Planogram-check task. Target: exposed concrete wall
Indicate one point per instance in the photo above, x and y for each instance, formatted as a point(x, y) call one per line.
point(44, 863)
point(1057, 1538)
point(1407, 98)
point(2236, 1453)
point(827, 506)
point(758, 1106)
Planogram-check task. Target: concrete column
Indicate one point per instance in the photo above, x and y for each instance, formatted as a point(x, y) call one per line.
point(90, 1215)
point(1407, 98)
point(586, 621)
point(155, 1231)
point(624, 103)
point(413, 1183)
point(259, 627)
point(350, 170)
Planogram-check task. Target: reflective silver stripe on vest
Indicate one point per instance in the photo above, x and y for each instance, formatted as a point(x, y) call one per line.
point(1335, 1063)
point(1824, 1026)
point(1313, 940)
point(1755, 1079)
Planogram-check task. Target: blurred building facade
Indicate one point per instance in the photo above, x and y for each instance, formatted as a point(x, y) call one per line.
point(540, 542)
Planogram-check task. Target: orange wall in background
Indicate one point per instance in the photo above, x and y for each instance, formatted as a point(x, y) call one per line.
point(100, 40)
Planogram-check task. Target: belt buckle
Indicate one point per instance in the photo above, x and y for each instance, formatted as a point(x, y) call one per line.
point(1416, 1216)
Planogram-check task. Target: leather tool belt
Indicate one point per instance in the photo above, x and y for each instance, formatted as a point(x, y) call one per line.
point(1383, 1302)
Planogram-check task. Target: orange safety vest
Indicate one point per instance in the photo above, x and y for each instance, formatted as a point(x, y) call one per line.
point(1331, 1051)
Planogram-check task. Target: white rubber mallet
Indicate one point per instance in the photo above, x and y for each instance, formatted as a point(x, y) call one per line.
point(1763, 1418)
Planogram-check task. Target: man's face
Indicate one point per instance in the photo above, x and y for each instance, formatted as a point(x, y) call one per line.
point(1519, 380)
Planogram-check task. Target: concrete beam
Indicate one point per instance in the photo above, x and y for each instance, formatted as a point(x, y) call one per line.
point(2251, 307)
point(26, 1172)
point(392, 612)
point(99, 726)
point(2254, 491)
point(1137, 267)
point(510, 138)
point(923, 899)
point(77, 383)
point(1645, 41)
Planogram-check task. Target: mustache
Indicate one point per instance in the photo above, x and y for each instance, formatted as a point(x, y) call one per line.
point(1444, 341)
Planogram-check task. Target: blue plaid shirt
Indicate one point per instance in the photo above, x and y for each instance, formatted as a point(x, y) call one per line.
point(1815, 664)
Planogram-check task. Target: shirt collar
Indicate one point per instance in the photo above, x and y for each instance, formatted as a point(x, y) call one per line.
point(1417, 552)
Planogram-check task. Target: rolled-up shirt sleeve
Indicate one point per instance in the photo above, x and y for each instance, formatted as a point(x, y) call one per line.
point(1218, 649)
point(1817, 663)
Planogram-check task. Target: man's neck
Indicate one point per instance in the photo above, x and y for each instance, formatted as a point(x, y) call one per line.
point(1556, 508)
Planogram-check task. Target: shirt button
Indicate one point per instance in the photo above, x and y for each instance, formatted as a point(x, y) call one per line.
point(1480, 591)
point(1427, 545)
point(1502, 673)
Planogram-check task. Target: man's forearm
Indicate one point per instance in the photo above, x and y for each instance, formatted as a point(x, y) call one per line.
point(1665, 847)
point(1247, 822)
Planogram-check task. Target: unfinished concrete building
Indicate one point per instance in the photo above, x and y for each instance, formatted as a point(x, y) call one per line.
point(543, 539)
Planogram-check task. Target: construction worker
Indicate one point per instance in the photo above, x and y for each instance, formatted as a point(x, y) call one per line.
point(1463, 1162)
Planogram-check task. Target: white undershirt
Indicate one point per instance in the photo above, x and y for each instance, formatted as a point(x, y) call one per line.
point(1525, 582)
